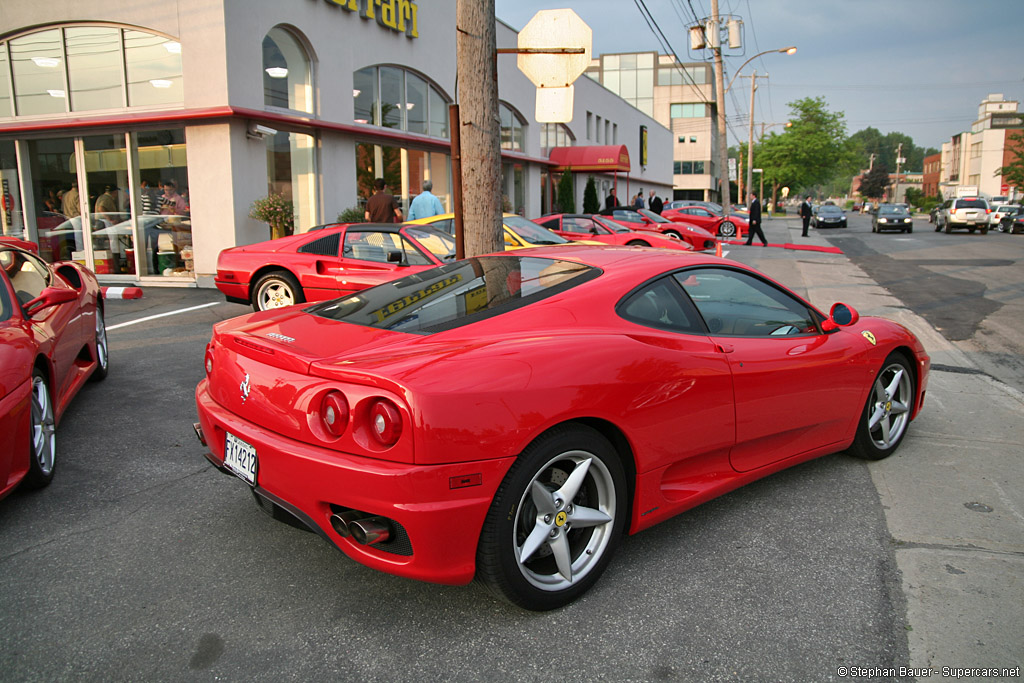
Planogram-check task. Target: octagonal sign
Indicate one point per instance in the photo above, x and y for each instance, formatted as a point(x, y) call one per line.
point(552, 29)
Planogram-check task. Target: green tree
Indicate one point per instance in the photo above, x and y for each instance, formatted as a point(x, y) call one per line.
point(1013, 173)
point(874, 182)
point(591, 203)
point(566, 199)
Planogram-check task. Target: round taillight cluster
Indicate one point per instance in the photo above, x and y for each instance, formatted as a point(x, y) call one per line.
point(334, 413)
point(385, 422)
point(209, 360)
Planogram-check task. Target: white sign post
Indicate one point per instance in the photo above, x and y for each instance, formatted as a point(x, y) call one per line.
point(554, 49)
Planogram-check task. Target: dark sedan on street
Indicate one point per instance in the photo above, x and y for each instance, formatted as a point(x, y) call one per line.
point(828, 216)
point(891, 217)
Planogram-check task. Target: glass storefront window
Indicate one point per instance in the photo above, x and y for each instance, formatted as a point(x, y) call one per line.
point(106, 178)
point(286, 72)
point(153, 65)
point(392, 96)
point(364, 96)
point(404, 170)
point(416, 103)
point(94, 67)
point(161, 208)
point(37, 62)
point(438, 115)
point(12, 218)
point(291, 172)
point(511, 129)
point(58, 203)
point(5, 84)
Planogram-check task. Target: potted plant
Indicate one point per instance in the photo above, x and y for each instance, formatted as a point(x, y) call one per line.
point(277, 212)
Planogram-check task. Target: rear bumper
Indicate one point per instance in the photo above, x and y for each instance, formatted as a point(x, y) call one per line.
point(441, 518)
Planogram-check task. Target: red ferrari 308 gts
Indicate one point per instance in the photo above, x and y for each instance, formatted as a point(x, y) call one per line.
point(328, 262)
point(52, 339)
point(512, 416)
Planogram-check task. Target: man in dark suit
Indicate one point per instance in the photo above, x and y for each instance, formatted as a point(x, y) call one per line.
point(654, 203)
point(611, 201)
point(805, 213)
point(755, 221)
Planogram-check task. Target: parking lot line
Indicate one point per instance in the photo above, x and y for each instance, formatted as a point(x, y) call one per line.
point(163, 315)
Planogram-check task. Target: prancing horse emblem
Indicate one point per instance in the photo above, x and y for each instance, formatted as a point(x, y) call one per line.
point(244, 386)
point(870, 337)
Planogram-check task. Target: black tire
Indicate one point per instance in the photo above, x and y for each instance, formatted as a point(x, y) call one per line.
point(886, 415)
point(983, 231)
point(573, 462)
point(948, 227)
point(102, 348)
point(276, 289)
point(727, 229)
point(637, 243)
point(674, 234)
point(43, 445)
point(971, 229)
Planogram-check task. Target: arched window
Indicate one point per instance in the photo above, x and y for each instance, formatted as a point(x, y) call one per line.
point(555, 135)
point(88, 67)
point(287, 76)
point(393, 97)
point(511, 128)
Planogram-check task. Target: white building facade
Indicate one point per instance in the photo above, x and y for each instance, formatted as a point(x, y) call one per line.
point(136, 137)
point(970, 160)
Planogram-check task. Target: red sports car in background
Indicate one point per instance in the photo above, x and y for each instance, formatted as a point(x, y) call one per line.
point(586, 227)
point(642, 219)
point(328, 262)
point(52, 339)
point(729, 227)
point(6, 240)
point(512, 416)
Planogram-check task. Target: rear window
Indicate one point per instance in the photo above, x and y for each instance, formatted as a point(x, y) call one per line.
point(457, 294)
point(970, 204)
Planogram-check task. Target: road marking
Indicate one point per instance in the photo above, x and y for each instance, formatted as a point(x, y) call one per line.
point(163, 315)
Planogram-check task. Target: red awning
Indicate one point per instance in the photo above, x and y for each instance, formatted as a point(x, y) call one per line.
point(598, 158)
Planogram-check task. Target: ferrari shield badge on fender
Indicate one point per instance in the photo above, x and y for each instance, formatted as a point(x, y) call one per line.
point(870, 337)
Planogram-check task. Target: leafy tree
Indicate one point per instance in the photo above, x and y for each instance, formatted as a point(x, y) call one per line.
point(914, 196)
point(566, 197)
point(875, 182)
point(1013, 173)
point(591, 203)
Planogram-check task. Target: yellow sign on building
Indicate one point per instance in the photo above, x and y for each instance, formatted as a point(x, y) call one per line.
point(397, 15)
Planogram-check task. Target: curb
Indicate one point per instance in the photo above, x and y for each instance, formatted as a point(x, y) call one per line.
point(121, 292)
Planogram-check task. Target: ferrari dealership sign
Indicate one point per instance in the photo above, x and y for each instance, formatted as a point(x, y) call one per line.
point(398, 15)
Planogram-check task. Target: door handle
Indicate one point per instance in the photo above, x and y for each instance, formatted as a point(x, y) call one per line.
point(725, 348)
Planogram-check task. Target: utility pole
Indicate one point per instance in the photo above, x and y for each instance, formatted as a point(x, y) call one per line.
point(715, 42)
point(750, 144)
point(896, 185)
point(479, 127)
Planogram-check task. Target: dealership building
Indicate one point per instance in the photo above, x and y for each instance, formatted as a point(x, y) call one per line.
point(136, 137)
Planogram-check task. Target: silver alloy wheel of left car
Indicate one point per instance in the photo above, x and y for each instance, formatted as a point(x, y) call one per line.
point(102, 348)
point(891, 399)
point(44, 441)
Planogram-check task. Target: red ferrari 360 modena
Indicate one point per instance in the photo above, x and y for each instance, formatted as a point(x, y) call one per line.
point(328, 262)
point(603, 229)
point(52, 339)
point(511, 416)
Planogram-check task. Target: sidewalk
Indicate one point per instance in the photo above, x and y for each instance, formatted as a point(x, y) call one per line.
point(953, 495)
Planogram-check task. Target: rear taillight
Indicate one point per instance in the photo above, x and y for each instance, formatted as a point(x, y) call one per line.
point(385, 422)
point(334, 413)
point(209, 359)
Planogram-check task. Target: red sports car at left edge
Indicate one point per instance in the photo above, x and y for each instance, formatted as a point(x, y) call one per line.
point(52, 339)
point(6, 240)
point(327, 262)
point(512, 416)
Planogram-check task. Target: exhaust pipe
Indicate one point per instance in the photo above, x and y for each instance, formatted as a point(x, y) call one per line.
point(370, 530)
point(199, 432)
point(342, 521)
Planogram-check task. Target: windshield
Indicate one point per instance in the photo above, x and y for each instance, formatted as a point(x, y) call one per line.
point(892, 211)
point(830, 211)
point(654, 217)
point(614, 226)
point(438, 243)
point(457, 294)
point(531, 233)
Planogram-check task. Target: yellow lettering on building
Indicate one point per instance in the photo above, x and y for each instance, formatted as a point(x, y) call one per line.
point(401, 16)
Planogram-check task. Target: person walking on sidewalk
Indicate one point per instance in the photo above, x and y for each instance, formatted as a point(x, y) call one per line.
point(805, 213)
point(755, 221)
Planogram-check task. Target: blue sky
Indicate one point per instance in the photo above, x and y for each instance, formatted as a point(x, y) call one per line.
point(920, 67)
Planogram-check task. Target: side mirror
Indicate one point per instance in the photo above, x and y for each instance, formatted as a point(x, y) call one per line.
point(51, 296)
point(395, 256)
point(841, 315)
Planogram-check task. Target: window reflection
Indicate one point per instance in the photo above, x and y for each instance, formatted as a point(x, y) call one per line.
point(5, 84)
point(286, 72)
point(397, 98)
point(37, 62)
point(94, 67)
point(291, 172)
point(154, 69)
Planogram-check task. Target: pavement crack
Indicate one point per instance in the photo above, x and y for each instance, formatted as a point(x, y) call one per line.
point(955, 547)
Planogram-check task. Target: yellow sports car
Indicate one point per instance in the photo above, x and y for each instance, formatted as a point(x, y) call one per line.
point(519, 232)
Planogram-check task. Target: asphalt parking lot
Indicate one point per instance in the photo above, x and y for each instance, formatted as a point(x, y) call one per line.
point(141, 562)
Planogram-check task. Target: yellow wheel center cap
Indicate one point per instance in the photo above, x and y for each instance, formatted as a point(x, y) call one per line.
point(560, 518)
point(888, 406)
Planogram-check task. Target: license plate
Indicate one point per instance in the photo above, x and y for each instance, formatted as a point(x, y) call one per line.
point(240, 458)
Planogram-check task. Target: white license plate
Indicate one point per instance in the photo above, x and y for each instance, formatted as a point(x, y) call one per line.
point(240, 458)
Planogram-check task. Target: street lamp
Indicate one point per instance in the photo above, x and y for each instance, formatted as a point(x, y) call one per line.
point(753, 85)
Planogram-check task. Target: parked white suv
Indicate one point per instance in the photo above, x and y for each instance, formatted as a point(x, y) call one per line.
point(963, 212)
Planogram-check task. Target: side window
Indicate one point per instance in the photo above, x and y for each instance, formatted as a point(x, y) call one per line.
point(29, 276)
point(585, 225)
point(370, 246)
point(445, 225)
point(413, 256)
point(550, 224)
point(660, 304)
point(573, 225)
point(734, 303)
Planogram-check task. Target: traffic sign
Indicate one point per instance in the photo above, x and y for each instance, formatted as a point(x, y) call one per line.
point(554, 29)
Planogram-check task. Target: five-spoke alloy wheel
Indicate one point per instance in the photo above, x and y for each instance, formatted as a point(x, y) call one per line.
point(555, 521)
point(276, 290)
point(887, 413)
point(44, 443)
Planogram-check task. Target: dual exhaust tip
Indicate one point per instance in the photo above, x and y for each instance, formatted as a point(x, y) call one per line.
point(360, 528)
